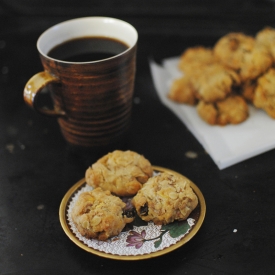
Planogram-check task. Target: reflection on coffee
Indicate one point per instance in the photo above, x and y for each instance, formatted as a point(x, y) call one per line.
point(86, 49)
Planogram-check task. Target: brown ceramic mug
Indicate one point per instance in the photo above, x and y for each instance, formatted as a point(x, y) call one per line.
point(92, 98)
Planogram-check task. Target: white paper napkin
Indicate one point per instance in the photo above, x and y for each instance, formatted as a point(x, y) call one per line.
point(227, 145)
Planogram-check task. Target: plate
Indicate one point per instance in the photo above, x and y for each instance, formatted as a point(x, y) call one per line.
point(139, 240)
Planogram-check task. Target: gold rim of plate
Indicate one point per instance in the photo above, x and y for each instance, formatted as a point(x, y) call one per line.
point(64, 223)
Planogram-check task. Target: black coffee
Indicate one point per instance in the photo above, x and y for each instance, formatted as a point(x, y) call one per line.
point(87, 49)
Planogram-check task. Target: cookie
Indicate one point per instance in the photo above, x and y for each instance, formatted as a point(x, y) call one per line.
point(230, 48)
point(182, 91)
point(164, 198)
point(99, 215)
point(192, 59)
point(215, 83)
point(264, 96)
point(243, 54)
point(255, 63)
point(121, 172)
point(266, 37)
point(232, 110)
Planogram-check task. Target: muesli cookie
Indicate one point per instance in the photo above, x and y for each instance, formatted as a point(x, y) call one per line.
point(230, 48)
point(243, 54)
point(121, 172)
point(266, 37)
point(182, 91)
point(215, 83)
point(232, 110)
point(192, 63)
point(164, 198)
point(99, 215)
point(193, 58)
point(264, 96)
point(255, 63)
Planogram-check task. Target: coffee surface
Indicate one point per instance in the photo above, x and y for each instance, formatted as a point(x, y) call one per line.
point(86, 49)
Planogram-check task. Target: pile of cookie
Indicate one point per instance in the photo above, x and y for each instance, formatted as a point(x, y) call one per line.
point(221, 81)
point(124, 186)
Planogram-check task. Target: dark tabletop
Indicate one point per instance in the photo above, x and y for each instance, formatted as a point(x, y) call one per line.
point(37, 167)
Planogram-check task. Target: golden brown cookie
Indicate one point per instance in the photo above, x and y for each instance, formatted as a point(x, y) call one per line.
point(121, 172)
point(215, 83)
point(99, 215)
point(193, 58)
point(255, 63)
point(264, 96)
point(232, 110)
point(191, 63)
point(165, 198)
point(243, 54)
point(182, 91)
point(230, 48)
point(266, 37)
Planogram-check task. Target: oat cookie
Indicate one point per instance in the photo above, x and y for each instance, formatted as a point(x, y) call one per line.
point(99, 215)
point(243, 54)
point(255, 63)
point(266, 37)
point(232, 110)
point(164, 198)
point(121, 172)
point(192, 63)
point(264, 96)
point(215, 83)
point(192, 59)
point(182, 91)
point(230, 48)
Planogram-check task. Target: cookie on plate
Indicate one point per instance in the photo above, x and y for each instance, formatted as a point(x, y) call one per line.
point(99, 215)
point(264, 96)
point(243, 54)
point(232, 110)
point(121, 172)
point(164, 198)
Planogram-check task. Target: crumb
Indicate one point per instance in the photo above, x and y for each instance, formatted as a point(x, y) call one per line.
point(191, 155)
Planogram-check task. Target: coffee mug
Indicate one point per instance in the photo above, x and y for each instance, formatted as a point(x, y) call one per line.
point(89, 69)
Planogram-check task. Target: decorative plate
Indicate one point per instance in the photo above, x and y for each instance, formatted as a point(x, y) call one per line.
point(139, 240)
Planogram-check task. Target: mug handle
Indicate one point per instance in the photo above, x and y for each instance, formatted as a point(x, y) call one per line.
point(32, 89)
